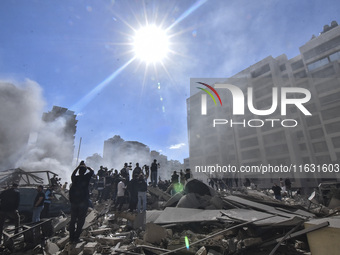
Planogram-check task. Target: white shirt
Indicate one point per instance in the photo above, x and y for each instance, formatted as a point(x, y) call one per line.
point(121, 189)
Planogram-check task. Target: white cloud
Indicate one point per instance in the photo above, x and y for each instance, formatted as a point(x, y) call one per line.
point(177, 146)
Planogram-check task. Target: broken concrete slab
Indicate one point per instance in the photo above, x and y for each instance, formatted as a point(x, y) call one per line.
point(151, 216)
point(90, 219)
point(324, 240)
point(183, 215)
point(263, 207)
point(249, 215)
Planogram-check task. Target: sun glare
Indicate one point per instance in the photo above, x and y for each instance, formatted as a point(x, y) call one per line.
point(151, 44)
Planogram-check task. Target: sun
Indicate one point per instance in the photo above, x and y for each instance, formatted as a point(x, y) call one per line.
point(151, 44)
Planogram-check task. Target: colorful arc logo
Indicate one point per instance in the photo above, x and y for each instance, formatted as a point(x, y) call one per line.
point(209, 93)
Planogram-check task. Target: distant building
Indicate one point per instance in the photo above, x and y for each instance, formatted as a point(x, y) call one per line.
point(316, 138)
point(117, 151)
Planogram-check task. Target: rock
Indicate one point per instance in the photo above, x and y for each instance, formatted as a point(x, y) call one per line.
point(213, 252)
point(252, 241)
point(139, 221)
point(169, 233)
point(62, 242)
point(188, 201)
point(202, 251)
point(90, 248)
point(107, 240)
point(76, 249)
point(100, 231)
point(51, 248)
point(154, 233)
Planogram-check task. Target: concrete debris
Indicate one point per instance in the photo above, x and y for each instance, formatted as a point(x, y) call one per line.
point(198, 220)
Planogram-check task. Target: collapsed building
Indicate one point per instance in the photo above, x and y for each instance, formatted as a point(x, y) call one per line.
point(199, 220)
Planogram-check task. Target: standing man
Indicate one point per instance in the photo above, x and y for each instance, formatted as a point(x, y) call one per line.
point(288, 185)
point(47, 201)
point(79, 198)
point(277, 191)
point(38, 204)
point(137, 171)
point(120, 194)
point(154, 168)
point(124, 172)
point(141, 188)
point(10, 200)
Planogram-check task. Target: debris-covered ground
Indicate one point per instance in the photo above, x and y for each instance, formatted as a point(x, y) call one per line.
point(198, 220)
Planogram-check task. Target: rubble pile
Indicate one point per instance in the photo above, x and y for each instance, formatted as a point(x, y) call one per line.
point(199, 221)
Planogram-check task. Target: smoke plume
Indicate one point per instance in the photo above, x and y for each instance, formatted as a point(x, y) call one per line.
point(25, 140)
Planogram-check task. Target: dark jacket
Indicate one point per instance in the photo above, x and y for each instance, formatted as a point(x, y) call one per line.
point(10, 200)
point(141, 185)
point(79, 191)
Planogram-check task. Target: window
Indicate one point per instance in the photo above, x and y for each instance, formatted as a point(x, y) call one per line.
point(336, 142)
point(276, 150)
point(320, 147)
point(317, 64)
point(322, 48)
point(303, 147)
point(274, 137)
point(297, 65)
point(327, 86)
point(260, 71)
point(316, 133)
point(324, 73)
point(330, 113)
point(282, 67)
point(323, 159)
point(330, 99)
point(313, 120)
point(335, 56)
point(333, 127)
point(251, 154)
point(249, 142)
point(301, 74)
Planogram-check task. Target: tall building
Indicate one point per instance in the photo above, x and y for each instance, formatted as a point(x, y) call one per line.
point(253, 140)
point(63, 124)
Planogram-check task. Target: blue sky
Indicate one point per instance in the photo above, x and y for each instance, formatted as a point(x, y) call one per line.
point(71, 47)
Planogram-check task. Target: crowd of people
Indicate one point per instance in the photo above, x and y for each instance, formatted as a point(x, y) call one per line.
point(284, 189)
point(125, 187)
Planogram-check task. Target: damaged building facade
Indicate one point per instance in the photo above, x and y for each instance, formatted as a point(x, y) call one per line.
point(314, 140)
